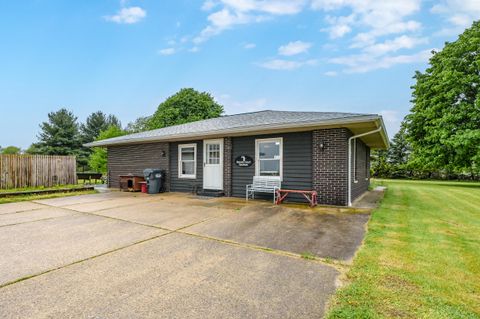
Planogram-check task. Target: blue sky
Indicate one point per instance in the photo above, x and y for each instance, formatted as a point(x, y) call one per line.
point(125, 57)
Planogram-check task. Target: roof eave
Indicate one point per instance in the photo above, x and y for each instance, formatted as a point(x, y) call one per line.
point(249, 129)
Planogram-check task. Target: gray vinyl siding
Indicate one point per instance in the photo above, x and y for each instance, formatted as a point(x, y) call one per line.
point(133, 159)
point(297, 162)
point(185, 184)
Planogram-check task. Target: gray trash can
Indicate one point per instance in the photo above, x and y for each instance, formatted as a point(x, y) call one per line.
point(155, 179)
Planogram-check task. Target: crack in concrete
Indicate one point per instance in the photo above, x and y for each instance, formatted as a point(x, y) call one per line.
point(82, 260)
point(37, 220)
point(336, 264)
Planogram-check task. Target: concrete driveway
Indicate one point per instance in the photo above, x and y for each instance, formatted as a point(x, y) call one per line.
point(120, 255)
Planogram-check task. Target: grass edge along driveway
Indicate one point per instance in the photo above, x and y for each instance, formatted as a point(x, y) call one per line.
point(23, 198)
point(421, 255)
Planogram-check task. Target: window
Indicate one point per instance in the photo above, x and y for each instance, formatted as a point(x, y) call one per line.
point(213, 154)
point(269, 157)
point(187, 160)
point(354, 166)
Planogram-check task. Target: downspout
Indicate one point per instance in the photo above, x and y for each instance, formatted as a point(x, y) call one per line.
point(350, 160)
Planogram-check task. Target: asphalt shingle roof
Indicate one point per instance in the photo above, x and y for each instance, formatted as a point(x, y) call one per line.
point(237, 121)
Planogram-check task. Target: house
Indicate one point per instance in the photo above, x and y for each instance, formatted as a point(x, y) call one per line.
point(324, 151)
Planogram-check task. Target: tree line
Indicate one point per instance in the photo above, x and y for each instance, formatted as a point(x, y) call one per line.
point(440, 137)
point(62, 134)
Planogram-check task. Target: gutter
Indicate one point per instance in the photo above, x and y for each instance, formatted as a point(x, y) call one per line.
point(350, 159)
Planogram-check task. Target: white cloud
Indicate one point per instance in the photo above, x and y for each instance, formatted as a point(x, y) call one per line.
point(461, 20)
point(276, 7)
point(167, 51)
point(238, 12)
point(286, 65)
point(368, 38)
point(339, 26)
point(128, 15)
point(194, 49)
point(223, 20)
point(331, 73)
point(294, 48)
point(379, 17)
point(208, 5)
point(401, 42)
point(362, 63)
point(249, 46)
point(233, 106)
point(458, 15)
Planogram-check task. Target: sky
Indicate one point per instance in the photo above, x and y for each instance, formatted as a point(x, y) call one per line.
point(125, 57)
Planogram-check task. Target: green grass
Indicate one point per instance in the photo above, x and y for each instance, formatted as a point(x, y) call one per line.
point(22, 189)
point(421, 256)
point(23, 198)
point(308, 255)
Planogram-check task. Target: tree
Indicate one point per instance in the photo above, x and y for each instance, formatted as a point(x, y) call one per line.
point(96, 123)
point(90, 130)
point(380, 167)
point(185, 106)
point(33, 149)
point(11, 150)
point(98, 158)
point(394, 162)
point(139, 125)
point(444, 124)
point(399, 154)
point(60, 135)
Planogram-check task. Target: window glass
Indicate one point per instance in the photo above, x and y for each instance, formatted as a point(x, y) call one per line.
point(213, 155)
point(188, 153)
point(269, 150)
point(270, 168)
point(269, 158)
point(187, 161)
point(188, 168)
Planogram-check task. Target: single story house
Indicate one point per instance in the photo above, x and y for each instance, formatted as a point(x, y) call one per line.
point(324, 151)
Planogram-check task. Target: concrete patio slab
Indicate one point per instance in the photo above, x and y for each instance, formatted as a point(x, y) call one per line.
point(33, 215)
point(108, 203)
point(165, 214)
point(300, 231)
point(32, 248)
point(18, 207)
point(81, 199)
point(176, 276)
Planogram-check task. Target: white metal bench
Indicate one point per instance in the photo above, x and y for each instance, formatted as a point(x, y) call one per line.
point(263, 184)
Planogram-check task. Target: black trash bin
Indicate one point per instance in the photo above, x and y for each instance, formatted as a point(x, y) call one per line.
point(155, 179)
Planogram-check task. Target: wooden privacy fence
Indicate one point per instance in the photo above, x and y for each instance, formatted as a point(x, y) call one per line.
point(36, 170)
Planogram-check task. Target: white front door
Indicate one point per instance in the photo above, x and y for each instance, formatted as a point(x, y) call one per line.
point(213, 164)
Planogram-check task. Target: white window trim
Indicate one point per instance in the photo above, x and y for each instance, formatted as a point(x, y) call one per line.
point(189, 176)
point(257, 155)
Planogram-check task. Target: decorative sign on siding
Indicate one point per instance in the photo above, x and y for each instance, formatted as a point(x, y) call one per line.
point(244, 161)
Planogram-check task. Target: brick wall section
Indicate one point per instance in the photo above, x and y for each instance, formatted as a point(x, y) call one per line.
point(227, 166)
point(330, 165)
point(133, 159)
point(360, 177)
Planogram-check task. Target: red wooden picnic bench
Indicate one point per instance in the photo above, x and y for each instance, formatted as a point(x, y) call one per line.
point(311, 196)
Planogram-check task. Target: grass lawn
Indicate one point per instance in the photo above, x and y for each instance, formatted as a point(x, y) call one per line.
point(421, 256)
point(22, 198)
point(21, 189)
